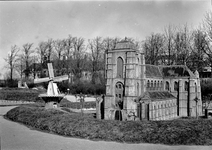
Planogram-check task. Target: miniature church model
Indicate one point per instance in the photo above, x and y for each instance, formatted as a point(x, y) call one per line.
point(138, 90)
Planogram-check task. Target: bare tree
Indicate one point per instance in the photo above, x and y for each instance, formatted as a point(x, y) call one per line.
point(59, 46)
point(41, 51)
point(97, 56)
point(182, 43)
point(197, 60)
point(68, 53)
point(153, 47)
point(11, 59)
point(20, 65)
point(207, 25)
point(26, 56)
point(78, 57)
point(169, 50)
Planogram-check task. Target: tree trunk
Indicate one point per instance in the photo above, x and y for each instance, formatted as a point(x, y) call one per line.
point(211, 69)
point(11, 73)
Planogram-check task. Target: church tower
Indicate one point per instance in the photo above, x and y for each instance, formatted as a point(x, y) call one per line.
point(125, 80)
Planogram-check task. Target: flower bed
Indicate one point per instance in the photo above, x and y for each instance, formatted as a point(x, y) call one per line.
point(173, 132)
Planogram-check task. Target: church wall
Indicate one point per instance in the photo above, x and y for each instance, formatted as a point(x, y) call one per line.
point(108, 107)
point(195, 91)
point(163, 109)
point(183, 95)
point(151, 86)
point(133, 80)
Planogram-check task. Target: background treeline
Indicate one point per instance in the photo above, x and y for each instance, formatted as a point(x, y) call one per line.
point(174, 45)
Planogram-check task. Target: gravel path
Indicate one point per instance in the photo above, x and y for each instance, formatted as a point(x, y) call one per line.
point(15, 136)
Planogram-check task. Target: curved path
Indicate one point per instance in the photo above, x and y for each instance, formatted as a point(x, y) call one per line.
point(15, 136)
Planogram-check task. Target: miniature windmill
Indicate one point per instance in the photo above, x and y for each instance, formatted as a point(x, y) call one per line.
point(53, 96)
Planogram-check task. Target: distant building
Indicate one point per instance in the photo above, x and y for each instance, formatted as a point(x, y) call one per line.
point(205, 75)
point(138, 90)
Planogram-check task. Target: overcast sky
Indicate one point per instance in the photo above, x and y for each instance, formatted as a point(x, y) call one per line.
point(32, 22)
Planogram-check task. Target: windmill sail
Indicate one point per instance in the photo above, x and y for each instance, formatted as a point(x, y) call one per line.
point(60, 78)
point(41, 80)
point(51, 76)
point(50, 69)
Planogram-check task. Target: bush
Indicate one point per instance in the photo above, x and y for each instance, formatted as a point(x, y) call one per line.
point(11, 83)
point(76, 105)
point(82, 87)
point(206, 87)
point(187, 132)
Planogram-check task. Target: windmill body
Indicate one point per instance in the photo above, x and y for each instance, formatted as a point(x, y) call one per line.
point(53, 97)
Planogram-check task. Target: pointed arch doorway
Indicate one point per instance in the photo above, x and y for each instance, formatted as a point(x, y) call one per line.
point(119, 100)
point(118, 115)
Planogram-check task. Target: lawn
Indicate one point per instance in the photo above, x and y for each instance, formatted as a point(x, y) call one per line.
point(173, 132)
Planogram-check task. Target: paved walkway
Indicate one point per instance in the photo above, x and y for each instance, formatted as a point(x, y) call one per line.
point(15, 136)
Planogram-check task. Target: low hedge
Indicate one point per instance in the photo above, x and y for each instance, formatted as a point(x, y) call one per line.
point(76, 105)
point(173, 132)
point(19, 94)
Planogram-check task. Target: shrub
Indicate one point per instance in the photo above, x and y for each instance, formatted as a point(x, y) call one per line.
point(181, 131)
point(82, 87)
point(206, 87)
point(11, 83)
point(76, 105)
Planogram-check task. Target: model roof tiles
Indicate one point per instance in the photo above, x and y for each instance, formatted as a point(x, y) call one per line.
point(125, 45)
point(177, 71)
point(156, 95)
point(153, 71)
point(168, 71)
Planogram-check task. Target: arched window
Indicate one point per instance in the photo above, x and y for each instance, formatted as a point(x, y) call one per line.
point(137, 68)
point(148, 84)
point(119, 95)
point(186, 86)
point(155, 84)
point(167, 85)
point(195, 87)
point(161, 85)
point(120, 67)
point(138, 89)
point(175, 85)
point(151, 84)
point(158, 85)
